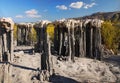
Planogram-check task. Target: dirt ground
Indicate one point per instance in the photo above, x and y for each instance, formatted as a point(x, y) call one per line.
point(25, 69)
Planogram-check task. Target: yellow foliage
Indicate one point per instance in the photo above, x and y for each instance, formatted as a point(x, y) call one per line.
point(15, 32)
point(33, 35)
point(110, 35)
point(50, 30)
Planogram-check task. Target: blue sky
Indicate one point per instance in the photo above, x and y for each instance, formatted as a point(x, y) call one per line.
point(35, 10)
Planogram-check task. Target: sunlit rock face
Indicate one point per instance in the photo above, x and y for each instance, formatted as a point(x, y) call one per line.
point(24, 31)
point(6, 23)
point(80, 38)
point(40, 30)
point(6, 39)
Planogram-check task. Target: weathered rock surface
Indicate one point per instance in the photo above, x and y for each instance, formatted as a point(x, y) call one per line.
point(85, 70)
point(82, 70)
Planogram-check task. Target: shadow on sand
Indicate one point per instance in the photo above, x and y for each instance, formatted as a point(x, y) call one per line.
point(113, 59)
point(23, 67)
point(62, 79)
point(19, 66)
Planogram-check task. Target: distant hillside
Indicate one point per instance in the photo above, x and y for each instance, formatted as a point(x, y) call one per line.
point(113, 16)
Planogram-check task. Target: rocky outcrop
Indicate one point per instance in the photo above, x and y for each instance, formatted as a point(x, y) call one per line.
point(24, 31)
point(6, 39)
point(6, 49)
point(80, 38)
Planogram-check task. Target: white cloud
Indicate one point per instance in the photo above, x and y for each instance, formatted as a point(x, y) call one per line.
point(76, 5)
point(86, 6)
point(32, 13)
point(19, 16)
point(33, 16)
point(61, 7)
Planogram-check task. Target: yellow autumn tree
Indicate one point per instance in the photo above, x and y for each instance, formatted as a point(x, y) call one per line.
point(15, 32)
point(33, 35)
point(108, 32)
point(50, 31)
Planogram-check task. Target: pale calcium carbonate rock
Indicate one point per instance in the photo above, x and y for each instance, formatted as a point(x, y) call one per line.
point(85, 70)
point(8, 20)
point(18, 54)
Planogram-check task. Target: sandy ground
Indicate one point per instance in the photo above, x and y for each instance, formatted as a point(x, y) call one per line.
point(85, 70)
point(25, 68)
